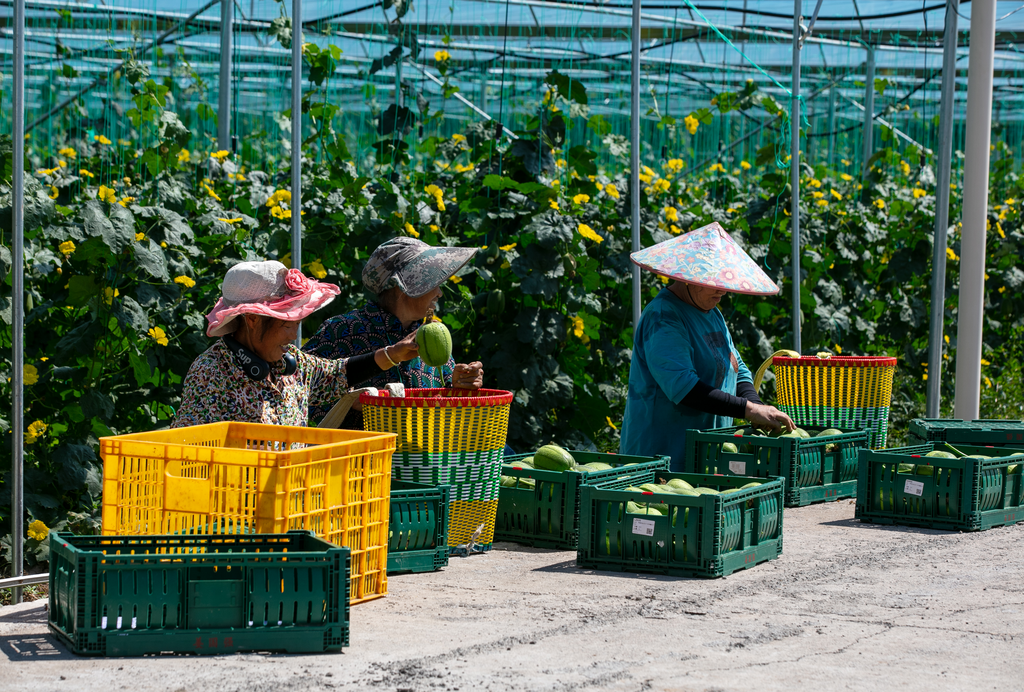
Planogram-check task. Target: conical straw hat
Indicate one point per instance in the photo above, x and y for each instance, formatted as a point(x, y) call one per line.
point(707, 256)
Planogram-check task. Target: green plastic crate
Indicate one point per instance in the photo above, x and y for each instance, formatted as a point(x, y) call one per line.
point(818, 469)
point(418, 540)
point(998, 433)
point(705, 536)
point(958, 494)
point(203, 594)
point(547, 515)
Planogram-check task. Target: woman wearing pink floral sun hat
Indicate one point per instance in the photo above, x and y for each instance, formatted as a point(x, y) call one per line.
point(254, 372)
point(685, 373)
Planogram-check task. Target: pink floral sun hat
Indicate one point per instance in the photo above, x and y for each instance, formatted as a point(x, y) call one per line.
point(266, 288)
point(707, 256)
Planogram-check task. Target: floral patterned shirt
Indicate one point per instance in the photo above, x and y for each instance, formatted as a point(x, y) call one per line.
point(217, 390)
point(364, 330)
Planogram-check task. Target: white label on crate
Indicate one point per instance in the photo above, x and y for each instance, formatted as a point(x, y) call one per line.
point(118, 622)
point(738, 467)
point(914, 488)
point(135, 621)
point(643, 527)
point(103, 623)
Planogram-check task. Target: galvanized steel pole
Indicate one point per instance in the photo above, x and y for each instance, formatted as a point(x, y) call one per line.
point(869, 111)
point(634, 157)
point(227, 18)
point(945, 160)
point(18, 299)
point(975, 210)
point(296, 203)
point(794, 174)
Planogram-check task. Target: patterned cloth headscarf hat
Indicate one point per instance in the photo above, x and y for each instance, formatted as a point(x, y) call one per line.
point(709, 257)
point(413, 266)
point(266, 288)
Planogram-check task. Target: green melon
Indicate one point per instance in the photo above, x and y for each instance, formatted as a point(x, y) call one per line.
point(435, 342)
point(553, 458)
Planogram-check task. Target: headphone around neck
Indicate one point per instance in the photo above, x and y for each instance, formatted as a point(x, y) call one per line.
point(254, 367)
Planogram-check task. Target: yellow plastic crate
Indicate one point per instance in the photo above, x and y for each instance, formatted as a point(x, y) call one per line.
point(231, 478)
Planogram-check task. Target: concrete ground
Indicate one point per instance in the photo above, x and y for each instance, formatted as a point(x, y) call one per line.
point(848, 606)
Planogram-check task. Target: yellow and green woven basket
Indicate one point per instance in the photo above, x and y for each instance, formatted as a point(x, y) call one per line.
point(834, 391)
point(449, 436)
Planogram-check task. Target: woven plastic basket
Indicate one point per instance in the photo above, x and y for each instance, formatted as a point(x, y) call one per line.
point(449, 436)
point(852, 392)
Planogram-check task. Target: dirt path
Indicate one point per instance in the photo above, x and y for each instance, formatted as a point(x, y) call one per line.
point(849, 606)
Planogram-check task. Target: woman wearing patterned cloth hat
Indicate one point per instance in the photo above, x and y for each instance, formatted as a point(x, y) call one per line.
point(685, 373)
point(405, 275)
point(254, 373)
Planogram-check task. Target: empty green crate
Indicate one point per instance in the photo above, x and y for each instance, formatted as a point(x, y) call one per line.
point(998, 433)
point(546, 515)
point(202, 594)
point(817, 469)
point(704, 536)
point(418, 540)
point(959, 494)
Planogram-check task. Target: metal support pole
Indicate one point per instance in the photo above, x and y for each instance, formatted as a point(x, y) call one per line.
point(831, 155)
point(634, 155)
point(227, 18)
point(398, 83)
point(945, 156)
point(296, 205)
point(18, 298)
point(483, 91)
point(975, 210)
point(869, 111)
point(794, 174)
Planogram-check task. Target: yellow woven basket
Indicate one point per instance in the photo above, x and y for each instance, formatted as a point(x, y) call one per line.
point(834, 391)
point(449, 436)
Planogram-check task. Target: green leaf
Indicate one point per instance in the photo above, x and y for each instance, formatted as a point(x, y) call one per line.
point(571, 89)
point(96, 403)
point(78, 342)
point(82, 289)
point(72, 462)
point(117, 236)
point(151, 258)
point(599, 125)
point(130, 314)
point(140, 367)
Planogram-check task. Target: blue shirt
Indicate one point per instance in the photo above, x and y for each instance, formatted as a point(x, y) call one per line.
point(675, 346)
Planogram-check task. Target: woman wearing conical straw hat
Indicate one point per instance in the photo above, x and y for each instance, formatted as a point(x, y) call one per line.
point(686, 374)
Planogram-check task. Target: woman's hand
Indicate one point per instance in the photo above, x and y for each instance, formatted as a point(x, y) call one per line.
point(468, 375)
point(767, 416)
point(404, 350)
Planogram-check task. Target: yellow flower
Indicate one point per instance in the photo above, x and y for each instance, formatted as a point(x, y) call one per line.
point(905, 167)
point(814, 182)
point(35, 431)
point(124, 142)
point(999, 230)
point(611, 191)
point(671, 214)
point(435, 228)
point(1010, 202)
point(209, 191)
point(561, 163)
point(184, 156)
point(458, 139)
point(124, 202)
point(68, 153)
point(951, 255)
point(745, 165)
point(86, 174)
point(675, 229)
point(66, 248)
point(836, 194)
point(30, 374)
point(507, 248)
point(53, 192)
point(676, 165)
point(317, 269)
point(220, 155)
point(599, 186)
point(610, 424)
point(505, 264)
point(646, 179)
point(231, 221)
point(822, 202)
point(839, 349)
point(37, 530)
point(456, 279)
point(846, 176)
point(946, 337)
point(918, 193)
point(581, 199)
point(985, 362)
point(691, 124)
point(716, 167)
point(588, 233)
point(924, 376)
point(101, 139)
point(411, 231)
point(459, 168)
point(988, 382)
point(661, 185)
point(185, 281)
point(845, 162)
point(139, 237)
point(159, 335)
point(279, 212)
point(106, 194)
point(438, 195)
point(817, 194)
point(442, 56)
point(109, 294)
point(553, 204)
point(62, 163)
point(577, 326)
point(880, 204)
point(1002, 289)
point(47, 171)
